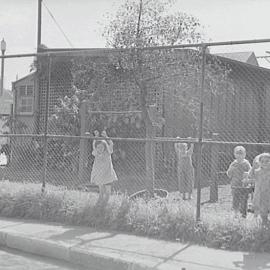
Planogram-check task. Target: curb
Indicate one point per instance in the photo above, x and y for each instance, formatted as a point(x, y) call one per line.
point(67, 253)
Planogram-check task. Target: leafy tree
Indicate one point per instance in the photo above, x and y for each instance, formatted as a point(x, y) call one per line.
point(141, 24)
point(146, 72)
point(144, 23)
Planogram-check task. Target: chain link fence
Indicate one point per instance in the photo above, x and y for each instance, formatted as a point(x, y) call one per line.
point(174, 115)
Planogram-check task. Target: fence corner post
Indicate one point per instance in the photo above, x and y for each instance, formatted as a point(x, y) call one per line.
point(45, 145)
point(200, 137)
point(149, 154)
point(214, 170)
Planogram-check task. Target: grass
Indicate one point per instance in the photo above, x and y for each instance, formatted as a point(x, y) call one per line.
point(164, 218)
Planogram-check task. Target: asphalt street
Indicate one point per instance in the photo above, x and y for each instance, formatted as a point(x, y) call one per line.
point(14, 260)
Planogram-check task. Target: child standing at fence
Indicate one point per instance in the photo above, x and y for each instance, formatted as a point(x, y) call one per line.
point(96, 134)
point(237, 172)
point(103, 174)
point(260, 174)
point(185, 170)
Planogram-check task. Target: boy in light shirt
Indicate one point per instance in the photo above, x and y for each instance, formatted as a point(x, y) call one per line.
point(237, 172)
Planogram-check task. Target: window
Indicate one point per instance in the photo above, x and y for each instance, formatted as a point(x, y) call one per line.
point(26, 90)
point(26, 99)
point(26, 105)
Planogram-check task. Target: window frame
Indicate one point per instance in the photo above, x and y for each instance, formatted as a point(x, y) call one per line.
point(26, 97)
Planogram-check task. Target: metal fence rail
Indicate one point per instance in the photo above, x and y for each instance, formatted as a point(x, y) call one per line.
point(144, 99)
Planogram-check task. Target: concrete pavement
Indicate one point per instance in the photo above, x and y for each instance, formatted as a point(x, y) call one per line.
point(11, 259)
point(116, 251)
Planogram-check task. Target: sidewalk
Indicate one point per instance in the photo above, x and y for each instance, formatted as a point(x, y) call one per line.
point(116, 251)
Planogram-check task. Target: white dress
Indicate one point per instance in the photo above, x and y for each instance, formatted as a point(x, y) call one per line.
point(103, 172)
point(262, 191)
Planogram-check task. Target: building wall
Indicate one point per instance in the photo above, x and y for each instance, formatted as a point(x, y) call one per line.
point(60, 86)
point(3, 129)
point(267, 101)
point(25, 120)
point(243, 116)
point(240, 112)
point(234, 113)
point(5, 110)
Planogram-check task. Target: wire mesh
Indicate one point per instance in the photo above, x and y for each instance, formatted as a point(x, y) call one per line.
point(149, 102)
point(234, 114)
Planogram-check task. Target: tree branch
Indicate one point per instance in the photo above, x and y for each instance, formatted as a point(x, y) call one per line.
point(139, 22)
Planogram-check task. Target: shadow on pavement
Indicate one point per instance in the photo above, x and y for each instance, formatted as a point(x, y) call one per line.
point(82, 235)
point(171, 257)
point(252, 262)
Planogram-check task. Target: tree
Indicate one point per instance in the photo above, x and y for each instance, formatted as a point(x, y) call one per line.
point(144, 23)
point(148, 72)
point(141, 24)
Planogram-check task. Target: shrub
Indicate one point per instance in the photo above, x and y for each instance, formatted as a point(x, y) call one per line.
point(163, 218)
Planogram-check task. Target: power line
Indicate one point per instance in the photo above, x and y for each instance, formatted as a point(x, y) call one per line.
point(58, 25)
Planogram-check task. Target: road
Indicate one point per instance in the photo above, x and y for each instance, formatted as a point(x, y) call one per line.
point(14, 260)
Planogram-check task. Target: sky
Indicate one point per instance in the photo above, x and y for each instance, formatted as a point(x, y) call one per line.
point(82, 21)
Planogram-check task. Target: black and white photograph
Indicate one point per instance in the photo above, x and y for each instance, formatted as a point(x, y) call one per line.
point(134, 135)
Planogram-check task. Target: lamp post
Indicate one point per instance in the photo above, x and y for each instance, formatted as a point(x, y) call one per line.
point(3, 49)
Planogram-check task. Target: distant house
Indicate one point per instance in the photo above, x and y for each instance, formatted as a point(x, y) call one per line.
point(5, 103)
point(30, 97)
point(5, 111)
point(25, 103)
point(245, 57)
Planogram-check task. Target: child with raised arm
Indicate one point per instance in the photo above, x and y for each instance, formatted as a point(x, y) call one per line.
point(103, 174)
point(237, 172)
point(96, 134)
point(185, 170)
point(260, 174)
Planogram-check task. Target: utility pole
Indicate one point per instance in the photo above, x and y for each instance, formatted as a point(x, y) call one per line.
point(39, 25)
point(3, 49)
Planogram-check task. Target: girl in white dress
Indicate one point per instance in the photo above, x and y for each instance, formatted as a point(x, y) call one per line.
point(103, 174)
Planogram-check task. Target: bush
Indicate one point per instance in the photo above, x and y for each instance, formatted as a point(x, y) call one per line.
point(163, 218)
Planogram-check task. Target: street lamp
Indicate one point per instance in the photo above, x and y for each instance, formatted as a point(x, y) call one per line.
point(3, 49)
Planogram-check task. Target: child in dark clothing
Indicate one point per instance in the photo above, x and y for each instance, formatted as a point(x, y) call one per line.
point(238, 172)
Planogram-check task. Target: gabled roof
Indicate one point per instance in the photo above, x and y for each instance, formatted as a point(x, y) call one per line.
point(245, 57)
point(241, 62)
point(25, 77)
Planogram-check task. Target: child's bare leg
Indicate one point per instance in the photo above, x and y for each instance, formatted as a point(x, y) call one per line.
point(235, 202)
point(243, 203)
point(107, 192)
point(104, 193)
point(101, 191)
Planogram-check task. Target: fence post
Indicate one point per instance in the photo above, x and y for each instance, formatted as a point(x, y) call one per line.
point(83, 142)
point(149, 154)
point(214, 170)
point(199, 164)
point(45, 149)
point(12, 131)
